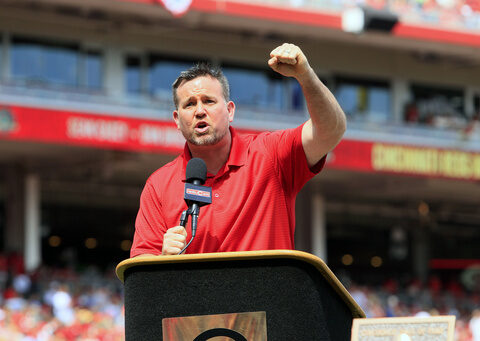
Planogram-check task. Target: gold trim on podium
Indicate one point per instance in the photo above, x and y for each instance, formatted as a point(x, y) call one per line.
point(319, 264)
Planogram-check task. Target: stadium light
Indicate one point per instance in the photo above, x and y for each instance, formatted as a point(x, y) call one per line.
point(347, 259)
point(91, 243)
point(54, 241)
point(360, 19)
point(376, 261)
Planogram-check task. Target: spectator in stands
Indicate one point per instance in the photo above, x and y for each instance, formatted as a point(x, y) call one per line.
point(411, 113)
point(474, 325)
point(462, 332)
point(473, 126)
point(62, 305)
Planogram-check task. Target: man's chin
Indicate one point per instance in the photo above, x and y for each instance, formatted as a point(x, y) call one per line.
point(203, 140)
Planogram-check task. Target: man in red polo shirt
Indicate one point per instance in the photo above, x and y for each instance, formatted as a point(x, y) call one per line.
point(254, 178)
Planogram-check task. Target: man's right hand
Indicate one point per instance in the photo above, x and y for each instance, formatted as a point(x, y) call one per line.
point(174, 240)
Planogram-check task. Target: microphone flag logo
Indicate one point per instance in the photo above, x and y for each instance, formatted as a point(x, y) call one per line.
point(199, 194)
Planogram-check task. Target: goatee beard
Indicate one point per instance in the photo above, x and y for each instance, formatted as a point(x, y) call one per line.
point(205, 140)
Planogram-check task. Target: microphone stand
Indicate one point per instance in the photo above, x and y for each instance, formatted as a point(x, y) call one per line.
point(193, 210)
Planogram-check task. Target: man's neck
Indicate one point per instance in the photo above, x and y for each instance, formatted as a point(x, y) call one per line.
point(214, 156)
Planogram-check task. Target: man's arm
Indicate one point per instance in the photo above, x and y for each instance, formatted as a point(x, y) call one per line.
point(146, 255)
point(150, 233)
point(174, 240)
point(327, 123)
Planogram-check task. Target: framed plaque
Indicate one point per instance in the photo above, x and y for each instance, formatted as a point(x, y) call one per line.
point(435, 328)
point(250, 326)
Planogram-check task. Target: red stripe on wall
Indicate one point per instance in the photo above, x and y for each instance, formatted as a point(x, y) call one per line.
point(269, 13)
point(453, 263)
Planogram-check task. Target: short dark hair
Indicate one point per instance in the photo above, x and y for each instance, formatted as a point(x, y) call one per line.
point(199, 70)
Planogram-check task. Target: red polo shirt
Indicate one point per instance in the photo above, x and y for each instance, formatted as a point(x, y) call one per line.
point(253, 197)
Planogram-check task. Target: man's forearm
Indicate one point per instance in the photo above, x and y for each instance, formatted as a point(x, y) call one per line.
point(327, 122)
point(326, 114)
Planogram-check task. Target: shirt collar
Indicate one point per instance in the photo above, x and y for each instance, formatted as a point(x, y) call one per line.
point(236, 158)
point(238, 150)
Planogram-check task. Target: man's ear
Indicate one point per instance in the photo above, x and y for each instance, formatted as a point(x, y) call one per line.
point(175, 118)
point(231, 110)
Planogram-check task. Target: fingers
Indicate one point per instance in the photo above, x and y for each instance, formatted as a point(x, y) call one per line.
point(289, 61)
point(174, 240)
point(179, 230)
point(286, 53)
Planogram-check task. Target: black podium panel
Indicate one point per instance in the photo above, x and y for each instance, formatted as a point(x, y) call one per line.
point(300, 304)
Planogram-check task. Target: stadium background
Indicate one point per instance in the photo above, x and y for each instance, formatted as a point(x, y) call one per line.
point(85, 117)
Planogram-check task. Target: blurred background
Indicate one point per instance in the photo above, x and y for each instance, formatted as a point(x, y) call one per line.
point(85, 118)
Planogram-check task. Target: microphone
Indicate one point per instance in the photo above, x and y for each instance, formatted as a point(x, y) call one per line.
point(196, 172)
point(195, 194)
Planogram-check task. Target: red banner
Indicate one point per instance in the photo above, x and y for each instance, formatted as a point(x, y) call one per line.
point(409, 160)
point(55, 126)
point(352, 155)
point(126, 133)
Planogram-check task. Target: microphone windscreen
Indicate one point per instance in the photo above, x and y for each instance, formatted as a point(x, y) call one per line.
point(196, 170)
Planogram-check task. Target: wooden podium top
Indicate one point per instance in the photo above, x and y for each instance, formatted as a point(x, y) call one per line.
point(247, 255)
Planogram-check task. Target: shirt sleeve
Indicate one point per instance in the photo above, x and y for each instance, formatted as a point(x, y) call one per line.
point(150, 224)
point(290, 160)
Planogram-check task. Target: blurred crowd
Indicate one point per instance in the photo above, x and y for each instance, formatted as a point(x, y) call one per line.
point(439, 114)
point(415, 299)
point(451, 14)
point(59, 304)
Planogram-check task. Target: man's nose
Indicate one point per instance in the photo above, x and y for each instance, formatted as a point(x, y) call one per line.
point(200, 110)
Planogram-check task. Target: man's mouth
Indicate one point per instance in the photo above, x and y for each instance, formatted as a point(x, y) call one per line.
point(201, 128)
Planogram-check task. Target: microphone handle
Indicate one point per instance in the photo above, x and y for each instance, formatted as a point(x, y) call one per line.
point(195, 209)
point(184, 218)
point(195, 213)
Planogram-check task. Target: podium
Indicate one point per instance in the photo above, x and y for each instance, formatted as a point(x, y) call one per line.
point(298, 295)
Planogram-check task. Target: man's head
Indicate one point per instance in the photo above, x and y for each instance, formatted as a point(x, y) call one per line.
point(203, 112)
point(201, 70)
